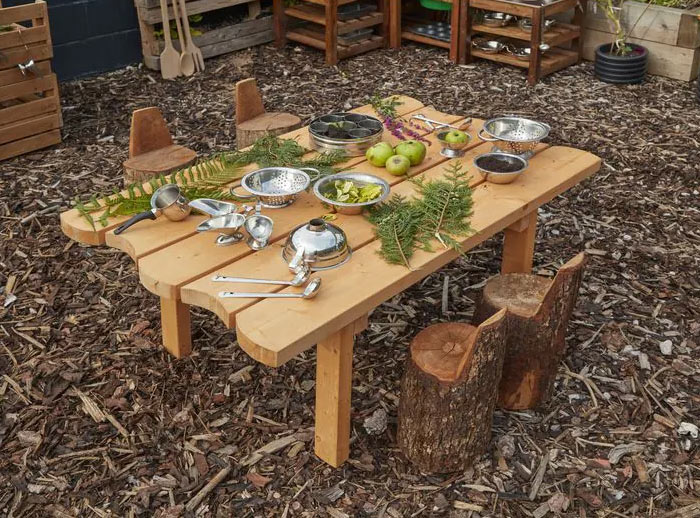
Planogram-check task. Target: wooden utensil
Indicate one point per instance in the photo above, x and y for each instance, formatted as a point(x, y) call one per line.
point(191, 47)
point(187, 65)
point(169, 58)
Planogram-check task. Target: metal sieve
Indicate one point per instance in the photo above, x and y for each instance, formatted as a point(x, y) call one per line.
point(514, 134)
point(275, 187)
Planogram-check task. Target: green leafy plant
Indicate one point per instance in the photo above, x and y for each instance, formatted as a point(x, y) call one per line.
point(612, 9)
point(441, 212)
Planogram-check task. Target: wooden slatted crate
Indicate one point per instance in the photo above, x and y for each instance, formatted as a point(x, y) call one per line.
point(30, 109)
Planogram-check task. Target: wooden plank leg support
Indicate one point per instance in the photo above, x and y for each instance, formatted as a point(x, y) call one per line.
point(333, 393)
point(519, 245)
point(175, 322)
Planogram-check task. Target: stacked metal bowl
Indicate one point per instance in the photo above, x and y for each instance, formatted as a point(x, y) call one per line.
point(352, 133)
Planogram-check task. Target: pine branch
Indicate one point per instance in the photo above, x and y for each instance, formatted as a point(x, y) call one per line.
point(397, 227)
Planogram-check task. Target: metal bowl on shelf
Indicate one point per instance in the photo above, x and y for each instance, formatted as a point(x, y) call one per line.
point(488, 46)
point(326, 185)
point(495, 19)
point(525, 24)
point(523, 53)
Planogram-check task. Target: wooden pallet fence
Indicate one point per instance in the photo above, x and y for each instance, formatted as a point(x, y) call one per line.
point(30, 109)
point(213, 42)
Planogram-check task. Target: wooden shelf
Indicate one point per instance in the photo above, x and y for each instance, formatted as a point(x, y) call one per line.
point(316, 39)
point(149, 11)
point(323, 2)
point(523, 9)
point(560, 33)
point(553, 60)
point(316, 14)
point(420, 38)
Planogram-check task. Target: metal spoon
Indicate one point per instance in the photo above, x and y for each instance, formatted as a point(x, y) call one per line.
point(299, 279)
point(309, 292)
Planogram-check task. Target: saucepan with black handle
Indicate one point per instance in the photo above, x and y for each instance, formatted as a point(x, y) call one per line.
point(168, 201)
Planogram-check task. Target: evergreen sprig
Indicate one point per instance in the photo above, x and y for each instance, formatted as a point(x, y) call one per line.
point(441, 212)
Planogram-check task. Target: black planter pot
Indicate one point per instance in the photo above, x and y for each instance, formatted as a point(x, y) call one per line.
point(627, 69)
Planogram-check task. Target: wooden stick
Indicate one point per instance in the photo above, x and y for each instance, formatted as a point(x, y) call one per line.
point(215, 481)
point(519, 245)
point(175, 321)
point(333, 393)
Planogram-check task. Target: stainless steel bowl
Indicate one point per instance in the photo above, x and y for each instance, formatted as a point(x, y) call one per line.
point(275, 187)
point(488, 46)
point(512, 134)
point(523, 53)
point(352, 146)
point(317, 244)
point(359, 179)
point(525, 24)
point(493, 176)
point(497, 19)
point(452, 149)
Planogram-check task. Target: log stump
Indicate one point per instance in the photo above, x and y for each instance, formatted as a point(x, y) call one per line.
point(252, 122)
point(448, 394)
point(538, 313)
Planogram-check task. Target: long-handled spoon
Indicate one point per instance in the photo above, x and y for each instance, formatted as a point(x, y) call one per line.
point(309, 292)
point(169, 58)
point(299, 279)
point(186, 58)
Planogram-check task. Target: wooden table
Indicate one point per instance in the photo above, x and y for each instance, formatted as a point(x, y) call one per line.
point(176, 264)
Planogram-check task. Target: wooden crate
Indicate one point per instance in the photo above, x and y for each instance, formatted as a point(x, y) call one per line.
point(671, 35)
point(212, 43)
point(30, 110)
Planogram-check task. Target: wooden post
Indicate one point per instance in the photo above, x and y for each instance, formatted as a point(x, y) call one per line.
point(454, 33)
point(533, 71)
point(579, 20)
point(466, 22)
point(394, 23)
point(331, 32)
point(519, 245)
point(175, 323)
point(333, 394)
point(448, 394)
point(279, 23)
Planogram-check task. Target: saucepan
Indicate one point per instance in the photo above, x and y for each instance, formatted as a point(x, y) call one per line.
point(168, 201)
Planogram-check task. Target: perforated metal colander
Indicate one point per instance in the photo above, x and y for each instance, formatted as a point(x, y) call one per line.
point(275, 187)
point(514, 134)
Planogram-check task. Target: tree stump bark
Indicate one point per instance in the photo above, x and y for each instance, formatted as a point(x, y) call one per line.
point(538, 313)
point(448, 394)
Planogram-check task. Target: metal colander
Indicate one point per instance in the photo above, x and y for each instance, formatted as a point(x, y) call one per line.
point(275, 187)
point(514, 134)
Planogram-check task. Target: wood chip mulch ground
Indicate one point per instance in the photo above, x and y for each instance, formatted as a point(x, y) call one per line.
point(96, 420)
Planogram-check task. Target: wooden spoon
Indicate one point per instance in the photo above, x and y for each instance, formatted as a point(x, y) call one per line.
point(186, 59)
point(169, 58)
point(191, 47)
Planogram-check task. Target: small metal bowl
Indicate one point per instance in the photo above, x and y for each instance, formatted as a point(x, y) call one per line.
point(333, 117)
point(497, 19)
point(452, 149)
point(488, 46)
point(355, 117)
point(525, 24)
point(359, 179)
point(497, 176)
point(523, 53)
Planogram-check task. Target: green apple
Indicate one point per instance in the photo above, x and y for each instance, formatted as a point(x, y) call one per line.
point(456, 137)
point(378, 154)
point(398, 165)
point(411, 149)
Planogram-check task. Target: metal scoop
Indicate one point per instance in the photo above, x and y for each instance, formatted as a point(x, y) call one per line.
point(309, 292)
point(260, 229)
point(299, 279)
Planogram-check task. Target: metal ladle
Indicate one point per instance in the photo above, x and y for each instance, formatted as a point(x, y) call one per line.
point(309, 292)
point(299, 279)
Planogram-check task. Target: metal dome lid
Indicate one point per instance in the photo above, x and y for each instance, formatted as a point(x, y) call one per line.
point(318, 244)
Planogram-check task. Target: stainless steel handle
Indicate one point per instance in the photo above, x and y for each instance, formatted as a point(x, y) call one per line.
point(487, 139)
point(233, 192)
point(314, 170)
point(244, 295)
point(223, 278)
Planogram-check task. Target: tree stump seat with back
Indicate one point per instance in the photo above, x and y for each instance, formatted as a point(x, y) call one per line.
point(539, 310)
point(151, 149)
point(252, 122)
point(448, 393)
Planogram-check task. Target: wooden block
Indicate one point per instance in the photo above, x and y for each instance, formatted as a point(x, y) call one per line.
point(27, 128)
point(273, 123)
point(149, 131)
point(249, 103)
point(142, 168)
point(25, 145)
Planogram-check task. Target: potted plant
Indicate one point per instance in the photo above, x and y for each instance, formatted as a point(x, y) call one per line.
point(620, 62)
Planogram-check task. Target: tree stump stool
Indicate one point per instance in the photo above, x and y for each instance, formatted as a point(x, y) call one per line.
point(252, 122)
point(538, 313)
point(151, 149)
point(448, 394)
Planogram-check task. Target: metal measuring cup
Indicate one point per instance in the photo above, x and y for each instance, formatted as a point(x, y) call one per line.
point(166, 200)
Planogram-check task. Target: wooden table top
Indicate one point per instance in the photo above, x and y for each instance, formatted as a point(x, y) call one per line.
point(175, 262)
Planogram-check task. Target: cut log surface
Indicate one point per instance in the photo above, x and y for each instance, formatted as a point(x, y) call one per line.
point(448, 394)
point(143, 167)
point(273, 123)
point(538, 313)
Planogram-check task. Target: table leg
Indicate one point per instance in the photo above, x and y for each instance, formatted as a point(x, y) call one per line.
point(333, 391)
point(175, 322)
point(519, 245)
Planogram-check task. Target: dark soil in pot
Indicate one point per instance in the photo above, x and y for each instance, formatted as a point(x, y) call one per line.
point(628, 69)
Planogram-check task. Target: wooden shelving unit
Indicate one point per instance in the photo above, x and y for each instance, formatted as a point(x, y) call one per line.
point(320, 27)
point(214, 42)
point(400, 24)
point(540, 64)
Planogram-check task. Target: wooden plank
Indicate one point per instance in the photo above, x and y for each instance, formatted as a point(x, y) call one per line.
point(19, 147)
point(369, 20)
point(22, 13)
point(274, 331)
point(552, 59)
point(24, 37)
point(27, 128)
point(193, 7)
point(27, 87)
point(333, 396)
point(519, 245)
point(175, 323)
point(372, 43)
point(558, 34)
point(664, 60)
point(308, 12)
point(37, 52)
point(689, 30)
point(307, 37)
point(28, 110)
point(331, 36)
point(426, 40)
point(394, 24)
point(79, 229)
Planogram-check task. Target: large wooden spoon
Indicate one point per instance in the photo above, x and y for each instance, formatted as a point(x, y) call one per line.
point(191, 47)
point(169, 58)
point(186, 59)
